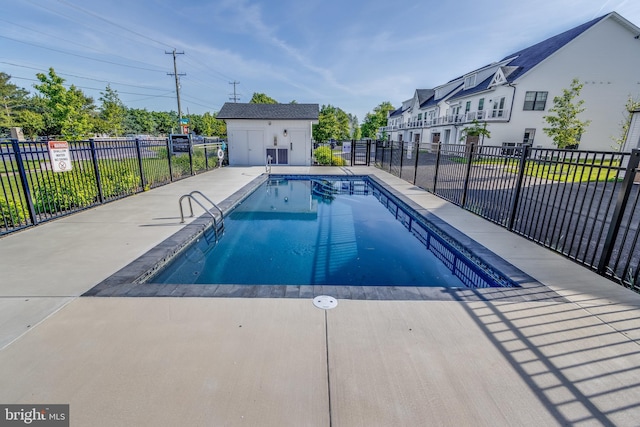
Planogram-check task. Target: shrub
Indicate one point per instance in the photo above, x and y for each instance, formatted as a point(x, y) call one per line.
point(161, 152)
point(119, 182)
point(323, 155)
point(338, 161)
point(12, 212)
point(180, 165)
point(56, 194)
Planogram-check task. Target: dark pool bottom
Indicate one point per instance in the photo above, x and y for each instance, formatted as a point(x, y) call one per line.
point(482, 271)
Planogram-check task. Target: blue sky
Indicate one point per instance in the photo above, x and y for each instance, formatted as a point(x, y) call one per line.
point(352, 54)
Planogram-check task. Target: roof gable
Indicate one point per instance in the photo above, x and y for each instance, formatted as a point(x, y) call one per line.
point(248, 111)
point(424, 94)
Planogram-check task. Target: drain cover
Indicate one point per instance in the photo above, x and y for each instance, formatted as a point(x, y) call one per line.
point(325, 302)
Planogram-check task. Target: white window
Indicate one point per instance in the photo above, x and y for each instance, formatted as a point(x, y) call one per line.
point(498, 108)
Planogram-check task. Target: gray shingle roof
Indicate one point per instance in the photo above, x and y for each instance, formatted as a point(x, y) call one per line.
point(424, 95)
point(526, 59)
point(237, 110)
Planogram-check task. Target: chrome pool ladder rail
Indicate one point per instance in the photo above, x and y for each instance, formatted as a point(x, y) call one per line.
point(218, 227)
point(267, 165)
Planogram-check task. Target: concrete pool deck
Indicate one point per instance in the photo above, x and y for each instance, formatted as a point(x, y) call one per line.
point(276, 362)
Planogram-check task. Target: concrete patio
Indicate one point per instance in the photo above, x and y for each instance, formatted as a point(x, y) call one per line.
point(283, 362)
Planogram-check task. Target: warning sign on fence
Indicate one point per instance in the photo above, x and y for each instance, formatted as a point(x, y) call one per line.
point(59, 156)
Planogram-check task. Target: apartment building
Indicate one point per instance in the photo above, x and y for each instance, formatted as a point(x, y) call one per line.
point(512, 96)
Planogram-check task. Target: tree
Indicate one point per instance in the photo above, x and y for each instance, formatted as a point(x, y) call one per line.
point(374, 121)
point(565, 128)
point(333, 123)
point(261, 98)
point(32, 123)
point(12, 99)
point(112, 112)
point(69, 110)
point(139, 121)
point(356, 132)
point(631, 106)
point(475, 131)
point(212, 126)
point(164, 122)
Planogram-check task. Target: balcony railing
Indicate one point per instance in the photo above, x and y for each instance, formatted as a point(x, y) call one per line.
point(497, 115)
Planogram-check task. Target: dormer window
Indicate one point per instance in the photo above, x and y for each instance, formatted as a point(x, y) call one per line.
point(470, 81)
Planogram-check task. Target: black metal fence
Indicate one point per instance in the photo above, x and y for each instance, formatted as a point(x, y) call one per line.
point(581, 204)
point(344, 153)
point(102, 170)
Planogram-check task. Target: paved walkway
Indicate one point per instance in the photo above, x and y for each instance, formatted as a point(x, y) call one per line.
point(283, 362)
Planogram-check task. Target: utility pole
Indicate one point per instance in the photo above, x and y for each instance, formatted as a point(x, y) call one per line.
point(235, 97)
point(177, 76)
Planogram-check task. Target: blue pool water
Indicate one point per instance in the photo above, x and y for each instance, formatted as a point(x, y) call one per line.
point(323, 231)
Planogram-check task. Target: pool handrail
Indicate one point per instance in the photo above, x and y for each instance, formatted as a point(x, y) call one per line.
point(191, 197)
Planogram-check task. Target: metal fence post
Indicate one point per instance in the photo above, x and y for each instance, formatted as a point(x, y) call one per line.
point(139, 153)
point(169, 160)
point(23, 179)
point(526, 152)
point(191, 157)
point(467, 175)
point(353, 151)
point(401, 159)
point(618, 213)
point(96, 169)
point(435, 173)
point(415, 165)
point(390, 155)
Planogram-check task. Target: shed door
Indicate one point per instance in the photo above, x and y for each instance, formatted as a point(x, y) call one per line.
point(256, 147)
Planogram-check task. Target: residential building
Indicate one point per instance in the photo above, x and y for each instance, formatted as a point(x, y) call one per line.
point(278, 132)
point(513, 95)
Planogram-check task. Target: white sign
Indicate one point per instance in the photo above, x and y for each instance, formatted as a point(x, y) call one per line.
point(409, 150)
point(59, 156)
point(346, 147)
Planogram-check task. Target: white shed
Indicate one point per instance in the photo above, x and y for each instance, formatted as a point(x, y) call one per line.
point(282, 131)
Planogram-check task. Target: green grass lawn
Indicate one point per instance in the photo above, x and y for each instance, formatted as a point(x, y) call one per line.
point(572, 172)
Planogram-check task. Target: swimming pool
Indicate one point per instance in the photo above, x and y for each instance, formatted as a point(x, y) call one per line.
point(325, 231)
point(475, 272)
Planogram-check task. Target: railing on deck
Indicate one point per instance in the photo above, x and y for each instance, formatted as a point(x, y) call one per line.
point(102, 170)
point(581, 204)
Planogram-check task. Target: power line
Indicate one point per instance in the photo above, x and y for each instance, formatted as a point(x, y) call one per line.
point(75, 54)
point(112, 23)
point(200, 105)
point(92, 48)
point(85, 23)
point(95, 88)
point(209, 68)
point(82, 77)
